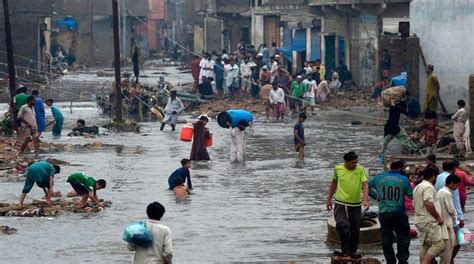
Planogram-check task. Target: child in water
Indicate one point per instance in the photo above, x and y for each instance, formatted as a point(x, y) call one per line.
point(180, 190)
point(299, 136)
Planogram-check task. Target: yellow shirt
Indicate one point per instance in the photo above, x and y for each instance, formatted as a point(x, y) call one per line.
point(349, 184)
point(432, 86)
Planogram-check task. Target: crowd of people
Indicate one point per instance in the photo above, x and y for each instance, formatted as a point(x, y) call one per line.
point(247, 74)
point(436, 199)
point(30, 111)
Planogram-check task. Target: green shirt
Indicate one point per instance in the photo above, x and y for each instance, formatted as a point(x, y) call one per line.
point(349, 184)
point(297, 89)
point(83, 179)
point(20, 100)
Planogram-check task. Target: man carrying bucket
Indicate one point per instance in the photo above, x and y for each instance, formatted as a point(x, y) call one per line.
point(172, 110)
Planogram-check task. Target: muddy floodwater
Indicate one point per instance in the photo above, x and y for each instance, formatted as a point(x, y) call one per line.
point(270, 209)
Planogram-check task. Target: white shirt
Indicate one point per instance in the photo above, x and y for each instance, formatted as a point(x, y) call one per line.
point(206, 64)
point(277, 96)
point(245, 70)
point(231, 72)
point(460, 116)
point(310, 88)
point(448, 212)
point(162, 245)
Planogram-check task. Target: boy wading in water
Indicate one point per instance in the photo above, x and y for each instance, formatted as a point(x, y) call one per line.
point(299, 136)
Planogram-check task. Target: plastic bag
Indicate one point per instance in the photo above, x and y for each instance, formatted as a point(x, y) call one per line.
point(400, 80)
point(464, 236)
point(468, 236)
point(460, 235)
point(138, 234)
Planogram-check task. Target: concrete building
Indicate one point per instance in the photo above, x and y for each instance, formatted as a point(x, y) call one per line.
point(144, 23)
point(219, 24)
point(446, 35)
point(30, 24)
point(351, 31)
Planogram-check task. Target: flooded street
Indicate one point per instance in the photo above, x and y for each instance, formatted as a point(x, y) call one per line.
point(271, 209)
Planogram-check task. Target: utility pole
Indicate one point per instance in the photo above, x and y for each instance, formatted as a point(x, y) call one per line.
point(124, 33)
point(118, 90)
point(11, 63)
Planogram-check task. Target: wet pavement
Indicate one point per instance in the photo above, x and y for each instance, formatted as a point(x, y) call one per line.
point(270, 209)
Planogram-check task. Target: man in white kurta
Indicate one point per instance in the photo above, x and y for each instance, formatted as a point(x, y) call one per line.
point(238, 142)
point(173, 108)
point(207, 67)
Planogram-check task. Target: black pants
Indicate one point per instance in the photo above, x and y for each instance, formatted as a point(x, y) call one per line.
point(348, 226)
point(397, 223)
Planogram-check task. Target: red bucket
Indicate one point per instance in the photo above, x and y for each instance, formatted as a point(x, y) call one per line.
point(209, 141)
point(186, 133)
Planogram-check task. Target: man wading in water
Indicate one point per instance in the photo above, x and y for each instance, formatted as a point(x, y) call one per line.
point(173, 108)
point(347, 182)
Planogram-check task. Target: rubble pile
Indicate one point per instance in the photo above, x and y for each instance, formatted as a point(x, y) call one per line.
point(124, 126)
point(40, 208)
point(341, 100)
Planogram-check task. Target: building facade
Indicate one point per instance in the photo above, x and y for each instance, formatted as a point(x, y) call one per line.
point(444, 28)
point(334, 31)
point(30, 27)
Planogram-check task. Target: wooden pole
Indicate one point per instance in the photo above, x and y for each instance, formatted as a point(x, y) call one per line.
point(118, 90)
point(10, 61)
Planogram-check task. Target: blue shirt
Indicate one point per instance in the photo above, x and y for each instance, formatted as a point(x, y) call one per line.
point(182, 173)
point(440, 183)
point(299, 128)
point(219, 71)
point(391, 190)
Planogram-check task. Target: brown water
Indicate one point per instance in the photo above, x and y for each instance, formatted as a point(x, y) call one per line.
point(270, 209)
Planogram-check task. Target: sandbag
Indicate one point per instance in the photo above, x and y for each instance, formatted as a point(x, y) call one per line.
point(397, 93)
point(138, 234)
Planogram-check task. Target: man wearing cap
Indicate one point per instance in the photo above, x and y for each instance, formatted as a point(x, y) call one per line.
point(348, 180)
point(297, 91)
point(172, 110)
point(432, 90)
point(21, 97)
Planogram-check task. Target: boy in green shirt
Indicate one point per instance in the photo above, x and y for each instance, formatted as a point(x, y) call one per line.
point(348, 181)
point(297, 91)
point(86, 186)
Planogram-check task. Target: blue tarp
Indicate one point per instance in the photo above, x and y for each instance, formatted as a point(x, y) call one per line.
point(68, 22)
point(292, 43)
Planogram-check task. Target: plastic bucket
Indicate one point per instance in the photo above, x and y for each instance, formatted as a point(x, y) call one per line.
point(186, 133)
point(209, 141)
point(234, 116)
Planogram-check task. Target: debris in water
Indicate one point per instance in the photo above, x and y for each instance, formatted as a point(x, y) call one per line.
point(40, 208)
point(6, 230)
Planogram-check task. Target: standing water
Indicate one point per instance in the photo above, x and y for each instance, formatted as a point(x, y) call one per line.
point(271, 209)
